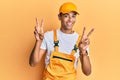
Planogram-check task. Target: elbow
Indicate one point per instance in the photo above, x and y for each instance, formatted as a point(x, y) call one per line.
point(32, 64)
point(87, 73)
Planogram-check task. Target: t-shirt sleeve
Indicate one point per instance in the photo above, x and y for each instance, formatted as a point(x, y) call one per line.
point(46, 41)
point(77, 56)
point(43, 44)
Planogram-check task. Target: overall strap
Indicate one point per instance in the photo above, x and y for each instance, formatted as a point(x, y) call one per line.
point(76, 45)
point(55, 41)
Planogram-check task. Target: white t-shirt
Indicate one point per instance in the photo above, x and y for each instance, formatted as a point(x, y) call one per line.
point(66, 44)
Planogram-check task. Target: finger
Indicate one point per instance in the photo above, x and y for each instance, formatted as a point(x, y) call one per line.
point(41, 25)
point(37, 22)
point(36, 30)
point(90, 32)
point(84, 41)
point(83, 32)
point(87, 42)
point(42, 21)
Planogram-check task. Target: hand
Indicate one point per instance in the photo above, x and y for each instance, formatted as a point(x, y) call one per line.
point(39, 33)
point(85, 41)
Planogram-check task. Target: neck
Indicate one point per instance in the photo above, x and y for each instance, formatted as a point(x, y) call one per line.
point(66, 31)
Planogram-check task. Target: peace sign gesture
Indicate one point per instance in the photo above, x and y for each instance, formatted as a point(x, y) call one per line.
point(39, 33)
point(85, 41)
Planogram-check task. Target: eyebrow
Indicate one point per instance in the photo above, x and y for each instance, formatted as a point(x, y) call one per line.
point(65, 14)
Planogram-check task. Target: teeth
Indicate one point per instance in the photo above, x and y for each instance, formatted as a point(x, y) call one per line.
point(69, 24)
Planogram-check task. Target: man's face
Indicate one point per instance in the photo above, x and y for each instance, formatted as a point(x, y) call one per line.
point(68, 20)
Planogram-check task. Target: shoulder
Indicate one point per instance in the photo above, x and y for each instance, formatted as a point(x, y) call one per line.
point(48, 33)
point(48, 36)
point(76, 34)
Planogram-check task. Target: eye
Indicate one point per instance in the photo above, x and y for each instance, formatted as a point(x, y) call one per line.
point(66, 15)
point(74, 16)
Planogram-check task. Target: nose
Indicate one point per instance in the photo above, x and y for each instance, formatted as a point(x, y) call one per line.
point(70, 18)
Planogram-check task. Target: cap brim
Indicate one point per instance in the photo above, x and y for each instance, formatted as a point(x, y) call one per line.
point(69, 11)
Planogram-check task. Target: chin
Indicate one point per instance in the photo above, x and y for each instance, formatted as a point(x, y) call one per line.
point(69, 27)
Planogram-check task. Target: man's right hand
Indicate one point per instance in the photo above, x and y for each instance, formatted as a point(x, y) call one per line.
point(39, 33)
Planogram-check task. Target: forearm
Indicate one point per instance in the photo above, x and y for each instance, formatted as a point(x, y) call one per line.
point(34, 58)
point(85, 63)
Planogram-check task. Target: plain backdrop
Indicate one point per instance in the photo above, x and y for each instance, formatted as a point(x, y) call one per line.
point(17, 21)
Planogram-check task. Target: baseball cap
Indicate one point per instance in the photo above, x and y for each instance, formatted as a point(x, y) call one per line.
point(68, 7)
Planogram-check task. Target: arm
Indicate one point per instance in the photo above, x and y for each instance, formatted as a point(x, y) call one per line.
point(85, 63)
point(84, 58)
point(37, 53)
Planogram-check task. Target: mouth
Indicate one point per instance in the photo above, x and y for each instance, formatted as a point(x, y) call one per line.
point(69, 24)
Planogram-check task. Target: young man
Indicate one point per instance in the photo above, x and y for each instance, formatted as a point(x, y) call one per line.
point(63, 47)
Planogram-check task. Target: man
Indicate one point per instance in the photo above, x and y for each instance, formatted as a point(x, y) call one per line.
point(63, 47)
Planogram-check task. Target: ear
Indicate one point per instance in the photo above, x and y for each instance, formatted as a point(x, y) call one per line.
point(59, 16)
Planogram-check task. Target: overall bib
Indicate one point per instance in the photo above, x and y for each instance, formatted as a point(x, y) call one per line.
point(61, 66)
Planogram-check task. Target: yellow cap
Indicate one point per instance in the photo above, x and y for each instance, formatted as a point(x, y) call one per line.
point(68, 7)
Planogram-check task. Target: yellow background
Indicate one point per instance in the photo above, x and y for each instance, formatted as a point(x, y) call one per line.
point(17, 21)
